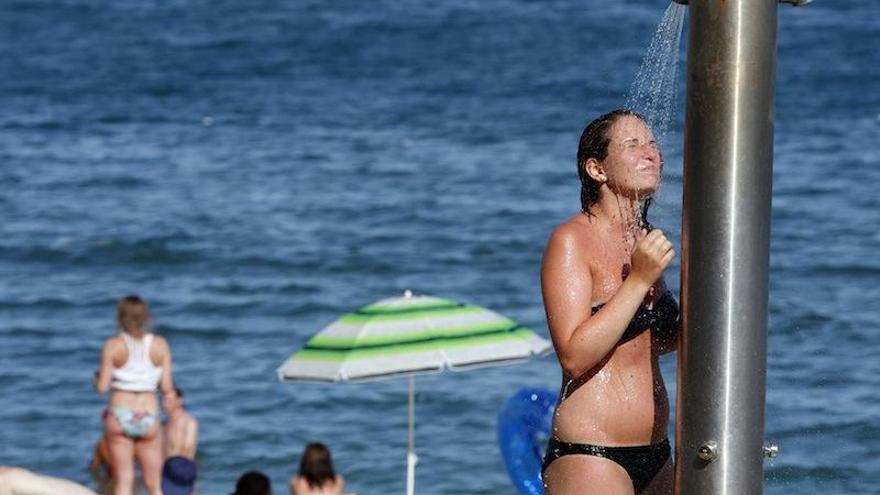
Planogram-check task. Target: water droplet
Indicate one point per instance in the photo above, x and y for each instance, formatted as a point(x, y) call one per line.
point(653, 91)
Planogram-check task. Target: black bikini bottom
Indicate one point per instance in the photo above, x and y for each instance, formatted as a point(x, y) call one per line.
point(641, 462)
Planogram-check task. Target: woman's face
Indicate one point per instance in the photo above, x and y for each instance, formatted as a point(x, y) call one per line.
point(633, 165)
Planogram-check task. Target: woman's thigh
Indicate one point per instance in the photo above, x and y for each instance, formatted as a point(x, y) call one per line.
point(121, 447)
point(148, 450)
point(586, 475)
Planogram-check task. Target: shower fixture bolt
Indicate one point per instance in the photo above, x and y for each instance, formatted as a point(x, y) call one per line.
point(771, 450)
point(708, 451)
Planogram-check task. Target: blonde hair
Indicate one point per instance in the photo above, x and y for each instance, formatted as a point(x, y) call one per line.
point(133, 314)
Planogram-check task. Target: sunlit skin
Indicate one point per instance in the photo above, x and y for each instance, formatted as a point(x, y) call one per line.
point(299, 486)
point(181, 429)
point(18, 481)
point(614, 395)
point(148, 448)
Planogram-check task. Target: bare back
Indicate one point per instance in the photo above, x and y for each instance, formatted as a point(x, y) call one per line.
point(115, 354)
point(299, 486)
point(181, 436)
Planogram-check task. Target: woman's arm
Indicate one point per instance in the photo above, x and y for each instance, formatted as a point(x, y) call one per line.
point(166, 382)
point(581, 340)
point(105, 370)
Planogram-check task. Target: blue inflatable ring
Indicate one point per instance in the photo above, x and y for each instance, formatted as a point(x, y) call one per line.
point(524, 425)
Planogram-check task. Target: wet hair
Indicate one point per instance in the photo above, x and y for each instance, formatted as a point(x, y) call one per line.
point(316, 466)
point(594, 143)
point(132, 313)
point(253, 483)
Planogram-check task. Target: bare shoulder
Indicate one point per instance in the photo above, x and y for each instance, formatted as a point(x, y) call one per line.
point(161, 345)
point(296, 484)
point(113, 344)
point(338, 485)
point(572, 236)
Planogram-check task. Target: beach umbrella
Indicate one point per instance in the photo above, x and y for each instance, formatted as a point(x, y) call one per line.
point(409, 335)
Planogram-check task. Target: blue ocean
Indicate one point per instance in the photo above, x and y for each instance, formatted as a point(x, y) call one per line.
point(256, 169)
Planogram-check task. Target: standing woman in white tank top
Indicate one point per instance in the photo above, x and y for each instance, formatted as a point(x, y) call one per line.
point(134, 364)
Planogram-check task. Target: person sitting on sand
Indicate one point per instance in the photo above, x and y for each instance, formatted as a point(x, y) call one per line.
point(316, 475)
point(181, 440)
point(181, 429)
point(18, 481)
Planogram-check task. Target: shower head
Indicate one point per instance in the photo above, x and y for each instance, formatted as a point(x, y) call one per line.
point(796, 3)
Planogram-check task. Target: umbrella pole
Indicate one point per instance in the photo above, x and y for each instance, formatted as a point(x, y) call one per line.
point(411, 458)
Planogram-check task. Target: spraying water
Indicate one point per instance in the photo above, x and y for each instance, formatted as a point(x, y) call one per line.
point(653, 91)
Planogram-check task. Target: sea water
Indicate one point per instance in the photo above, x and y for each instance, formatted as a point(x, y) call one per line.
point(256, 169)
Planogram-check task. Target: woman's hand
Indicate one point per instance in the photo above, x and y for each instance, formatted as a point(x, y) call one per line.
point(650, 257)
point(102, 378)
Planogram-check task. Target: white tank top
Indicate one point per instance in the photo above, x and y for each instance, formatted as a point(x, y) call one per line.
point(138, 374)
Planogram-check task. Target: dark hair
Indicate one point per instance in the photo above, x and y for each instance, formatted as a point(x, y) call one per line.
point(132, 313)
point(178, 391)
point(594, 143)
point(253, 483)
point(316, 466)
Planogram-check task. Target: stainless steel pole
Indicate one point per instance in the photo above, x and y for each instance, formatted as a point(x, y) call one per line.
point(728, 159)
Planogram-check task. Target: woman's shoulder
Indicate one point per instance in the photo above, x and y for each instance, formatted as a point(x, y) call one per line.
point(299, 485)
point(574, 232)
point(159, 348)
point(578, 225)
point(294, 482)
point(114, 342)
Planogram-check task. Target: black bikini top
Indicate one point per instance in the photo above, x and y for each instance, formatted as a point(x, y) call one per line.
point(662, 317)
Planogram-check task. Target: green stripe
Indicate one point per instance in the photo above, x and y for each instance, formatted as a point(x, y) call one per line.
point(358, 318)
point(402, 338)
point(339, 355)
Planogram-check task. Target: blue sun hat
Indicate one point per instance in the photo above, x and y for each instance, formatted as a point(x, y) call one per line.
point(178, 476)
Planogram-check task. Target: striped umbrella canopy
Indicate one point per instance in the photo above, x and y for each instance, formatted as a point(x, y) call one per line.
point(410, 335)
point(407, 335)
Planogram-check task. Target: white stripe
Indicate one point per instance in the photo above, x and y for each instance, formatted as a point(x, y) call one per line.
point(379, 327)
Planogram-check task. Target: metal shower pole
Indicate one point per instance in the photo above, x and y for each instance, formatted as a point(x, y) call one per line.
point(728, 162)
